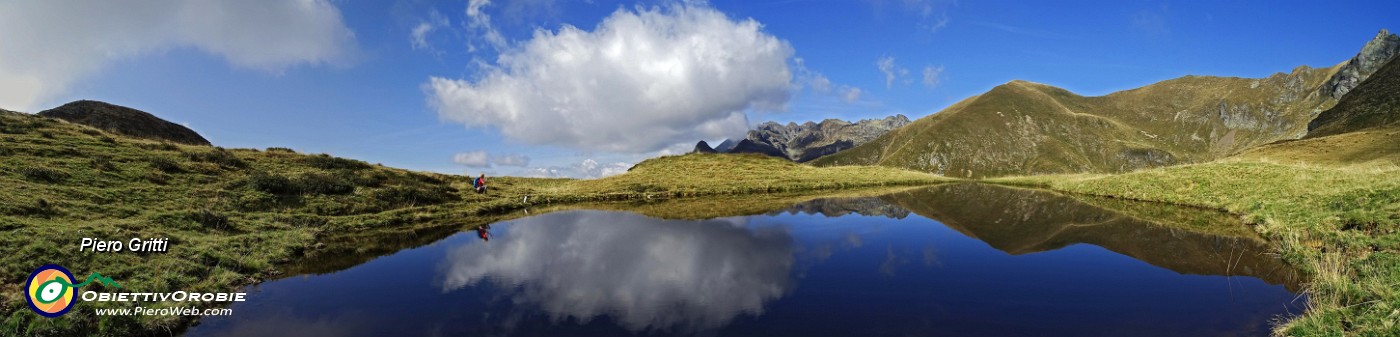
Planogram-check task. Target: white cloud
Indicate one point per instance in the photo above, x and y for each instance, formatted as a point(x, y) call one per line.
point(932, 14)
point(587, 169)
point(514, 159)
point(821, 84)
point(891, 70)
point(472, 159)
point(931, 74)
point(850, 94)
point(419, 36)
point(480, 22)
point(676, 276)
point(638, 82)
point(483, 159)
point(46, 46)
point(937, 24)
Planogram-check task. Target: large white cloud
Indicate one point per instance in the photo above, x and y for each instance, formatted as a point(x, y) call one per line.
point(646, 273)
point(46, 46)
point(640, 81)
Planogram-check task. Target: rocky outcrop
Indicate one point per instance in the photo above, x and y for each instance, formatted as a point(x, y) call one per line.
point(124, 121)
point(1374, 103)
point(1372, 56)
point(808, 141)
point(750, 146)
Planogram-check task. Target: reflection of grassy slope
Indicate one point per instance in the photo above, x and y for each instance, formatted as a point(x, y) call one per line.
point(1022, 221)
point(238, 216)
point(1029, 128)
point(1341, 224)
point(709, 208)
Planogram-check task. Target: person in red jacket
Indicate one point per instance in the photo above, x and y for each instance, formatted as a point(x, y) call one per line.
point(480, 183)
point(484, 233)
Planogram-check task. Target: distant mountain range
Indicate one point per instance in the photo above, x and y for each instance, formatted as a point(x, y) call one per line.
point(1029, 128)
point(807, 141)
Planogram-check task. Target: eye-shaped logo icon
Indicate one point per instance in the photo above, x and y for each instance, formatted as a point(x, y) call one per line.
point(50, 290)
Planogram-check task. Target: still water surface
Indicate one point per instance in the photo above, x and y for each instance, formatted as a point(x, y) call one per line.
point(957, 260)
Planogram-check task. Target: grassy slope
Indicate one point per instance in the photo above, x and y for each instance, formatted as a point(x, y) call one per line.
point(1370, 146)
point(1028, 128)
point(1330, 201)
point(235, 217)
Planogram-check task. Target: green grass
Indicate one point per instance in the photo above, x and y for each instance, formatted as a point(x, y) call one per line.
point(239, 216)
point(1340, 225)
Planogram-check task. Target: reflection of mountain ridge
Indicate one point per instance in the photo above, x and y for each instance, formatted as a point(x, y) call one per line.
point(1020, 221)
point(836, 207)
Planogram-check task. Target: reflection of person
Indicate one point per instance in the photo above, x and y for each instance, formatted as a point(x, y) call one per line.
point(480, 183)
point(483, 232)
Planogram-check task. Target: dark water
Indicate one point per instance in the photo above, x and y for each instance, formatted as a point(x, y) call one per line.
point(956, 260)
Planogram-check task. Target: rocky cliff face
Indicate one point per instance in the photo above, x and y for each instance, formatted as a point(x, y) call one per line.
point(1374, 103)
point(750, 146)
point(1372, 56)
point(808, 141)
point(124, 121)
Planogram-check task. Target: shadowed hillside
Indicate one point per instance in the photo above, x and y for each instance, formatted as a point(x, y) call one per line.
point(124, 121)
point(1029, 128)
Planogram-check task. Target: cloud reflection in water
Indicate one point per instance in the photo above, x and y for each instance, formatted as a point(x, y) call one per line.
point(644, 273)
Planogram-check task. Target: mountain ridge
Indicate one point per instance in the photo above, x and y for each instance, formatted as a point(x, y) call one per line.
point(1022, 127)
point(811, 140)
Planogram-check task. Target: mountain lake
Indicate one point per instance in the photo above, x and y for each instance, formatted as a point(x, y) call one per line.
point(954, 260)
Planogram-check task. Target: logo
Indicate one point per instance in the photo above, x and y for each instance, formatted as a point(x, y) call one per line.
point(50, 289)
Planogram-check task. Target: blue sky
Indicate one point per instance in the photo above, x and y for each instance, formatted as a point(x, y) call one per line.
point(352, 79)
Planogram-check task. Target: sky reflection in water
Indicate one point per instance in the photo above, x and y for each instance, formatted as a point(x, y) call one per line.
point(997, 261)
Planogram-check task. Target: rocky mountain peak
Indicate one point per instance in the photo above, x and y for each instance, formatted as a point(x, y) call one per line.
point(703, 147)
point(1373, 55)
point(810, 140)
